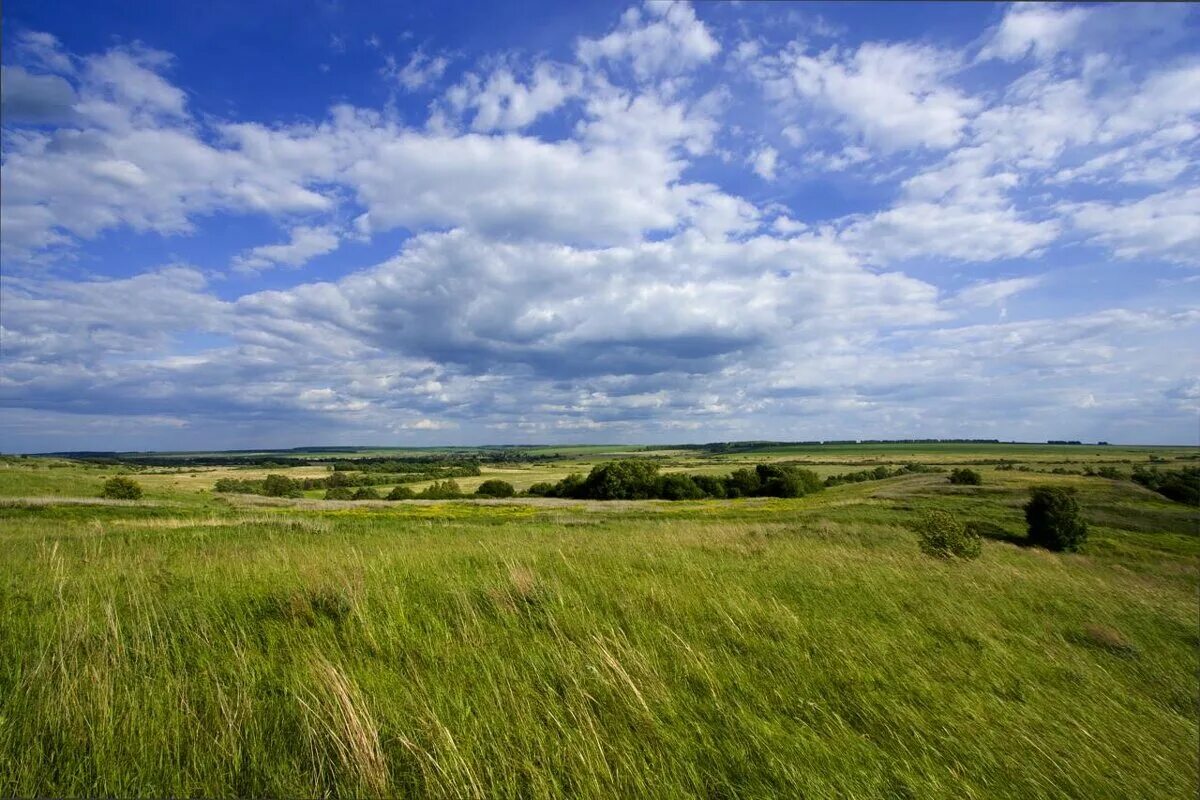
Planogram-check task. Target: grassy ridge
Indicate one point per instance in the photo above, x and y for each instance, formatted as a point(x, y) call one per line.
point(742, 648)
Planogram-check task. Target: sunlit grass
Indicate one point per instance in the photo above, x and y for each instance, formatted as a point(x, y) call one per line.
point(754, 648)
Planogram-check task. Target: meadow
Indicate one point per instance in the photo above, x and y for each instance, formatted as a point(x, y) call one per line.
point(197, 644)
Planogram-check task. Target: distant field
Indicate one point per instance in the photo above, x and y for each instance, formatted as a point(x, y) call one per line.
point(208, 645)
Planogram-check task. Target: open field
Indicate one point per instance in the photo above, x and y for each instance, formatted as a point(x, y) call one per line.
point(236, 645)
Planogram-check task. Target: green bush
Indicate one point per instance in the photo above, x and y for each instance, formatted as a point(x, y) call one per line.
point(365, 493)
point(678, 486)
point(281, 486)
point(629, 479)
point(495, 488)
point(339, 493)
point(119, 487)
point(441, 490)
point(1052, 515)
point(401, 493)
point(965, 477)
point(542, 489)
point(943, 536)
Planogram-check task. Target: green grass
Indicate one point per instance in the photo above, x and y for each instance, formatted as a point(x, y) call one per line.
point(189, 645)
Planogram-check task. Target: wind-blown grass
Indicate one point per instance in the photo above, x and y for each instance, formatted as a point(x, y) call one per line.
point(749, 648)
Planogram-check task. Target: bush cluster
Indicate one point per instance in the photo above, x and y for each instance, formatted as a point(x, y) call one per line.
point(1180, 485)
point(495, 487)
point(639, 479)
point(879, 473)
point(120, 487)
point(965, 477)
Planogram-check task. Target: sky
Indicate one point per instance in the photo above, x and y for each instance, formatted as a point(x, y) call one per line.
point(243, 225)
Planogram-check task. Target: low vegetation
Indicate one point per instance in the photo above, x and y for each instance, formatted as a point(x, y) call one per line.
point(120, 487)
point(1054, 519)
point(215, 645)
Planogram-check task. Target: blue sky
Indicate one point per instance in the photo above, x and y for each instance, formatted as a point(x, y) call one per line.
point(231, 225)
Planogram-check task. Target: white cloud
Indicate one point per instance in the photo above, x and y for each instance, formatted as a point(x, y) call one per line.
point(420, 71)
point(666, 38)
point(504, 103)
point(1040, 29)
point(765, 161)
point(893, 95)
point(1162, 226)
point(306, 243)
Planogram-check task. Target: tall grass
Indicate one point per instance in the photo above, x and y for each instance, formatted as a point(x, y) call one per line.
point(782, 649)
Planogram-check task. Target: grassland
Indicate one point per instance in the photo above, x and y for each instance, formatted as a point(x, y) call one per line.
point(192, 644)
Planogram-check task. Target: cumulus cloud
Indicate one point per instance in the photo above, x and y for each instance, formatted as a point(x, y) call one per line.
point(306, 244)
point(1164, 225)
point(662, 38)
point(892, 95)
point(583, 248)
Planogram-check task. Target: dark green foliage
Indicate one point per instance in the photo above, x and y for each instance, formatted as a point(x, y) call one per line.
point(629, 479)
point(120, 487)
point(339, 493)
point(234, 486)
point(678, 486)
point(1052, 515)
point(879, 473)
point(441, 490)
point(943, 536)
point(742, 483)
point(495, 488)
point(281, 486)
point(365, 493)
point(965, 477)
point(401, 493)
point(710, 485)
point(638, 479)
point(783, 481)
point(1181, 485)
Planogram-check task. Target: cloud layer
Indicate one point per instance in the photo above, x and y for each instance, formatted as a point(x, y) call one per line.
point(624, 241)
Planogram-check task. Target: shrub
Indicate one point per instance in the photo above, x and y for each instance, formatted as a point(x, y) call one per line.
point(365, 493)
point(943, 536)
point(711, 485)
point(339, 493)
point(678, 486)
point(401, 493)
point(119, 487)
point(495, 488)
point(1052, 514)
point(742, 483)
point(441, 490)
point(630, 479)
point(281, 486)
point(965, 477)
point(542, 489)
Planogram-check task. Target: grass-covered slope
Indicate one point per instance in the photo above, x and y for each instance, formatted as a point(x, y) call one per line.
point(760, 648)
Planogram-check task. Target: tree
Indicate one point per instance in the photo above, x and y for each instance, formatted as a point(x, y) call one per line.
point(678, 486)
point(441, 490)
point(495, 488)
point(365, 493)
point(629, 479)
point(742, 483)
point(281, 486)
point(339, 493)
point(401, 493)
point(1052, 515)
point(542, 489)
point(711, 485)
point(776, 480)
point(119, 487)
point(965, 477)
